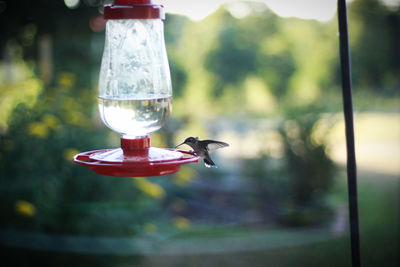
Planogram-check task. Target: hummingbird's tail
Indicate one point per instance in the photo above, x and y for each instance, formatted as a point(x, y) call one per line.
point(209, 163)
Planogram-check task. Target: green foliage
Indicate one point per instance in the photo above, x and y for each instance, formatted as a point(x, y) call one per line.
point(37, 168)
point(51, 116)
point(302, 177)
point(233, 59)
point(277, 70)
point(375, 46)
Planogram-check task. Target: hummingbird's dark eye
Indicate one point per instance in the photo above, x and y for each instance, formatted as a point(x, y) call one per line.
point(189, 139)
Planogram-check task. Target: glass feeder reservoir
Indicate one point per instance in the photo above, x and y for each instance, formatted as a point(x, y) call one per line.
point(135, 92)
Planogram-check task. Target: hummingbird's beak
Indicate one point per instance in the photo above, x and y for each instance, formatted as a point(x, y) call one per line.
point(180, 144)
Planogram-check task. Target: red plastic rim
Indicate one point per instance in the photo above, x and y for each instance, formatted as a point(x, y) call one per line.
point(134, 169)
point(134, 9)
point(135, 158)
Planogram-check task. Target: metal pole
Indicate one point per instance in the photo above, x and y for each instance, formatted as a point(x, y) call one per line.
point(349, 128)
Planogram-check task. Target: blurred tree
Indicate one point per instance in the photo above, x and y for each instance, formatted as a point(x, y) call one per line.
point(375, 42)
point(233, 59)
point(298, 182)
point(174, 28)
point(234, 53)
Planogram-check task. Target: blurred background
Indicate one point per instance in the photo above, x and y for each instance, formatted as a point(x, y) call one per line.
point(263, 76)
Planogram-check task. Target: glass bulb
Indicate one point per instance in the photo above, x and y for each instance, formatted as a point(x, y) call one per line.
point(135, 92)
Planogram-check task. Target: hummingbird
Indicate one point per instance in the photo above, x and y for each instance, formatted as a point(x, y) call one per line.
point(202, 147)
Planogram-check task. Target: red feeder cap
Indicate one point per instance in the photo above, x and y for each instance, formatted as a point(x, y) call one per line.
point(134, 9)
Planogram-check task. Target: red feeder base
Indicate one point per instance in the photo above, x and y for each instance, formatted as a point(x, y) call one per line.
point(135, 158)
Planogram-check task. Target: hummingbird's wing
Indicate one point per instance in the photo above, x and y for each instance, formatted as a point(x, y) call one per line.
point(212, 145)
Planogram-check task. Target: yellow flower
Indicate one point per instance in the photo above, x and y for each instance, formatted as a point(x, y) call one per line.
point(51, 121)
point(181, 223)
point(69, 153)
point(150, 228)
point(184, 176)
point(38, 129)
point(149, 188)
point(25, 208)
point(66, 79)
point(75, 118)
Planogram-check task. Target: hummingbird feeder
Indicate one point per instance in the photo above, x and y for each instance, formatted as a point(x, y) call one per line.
point(135, 93)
